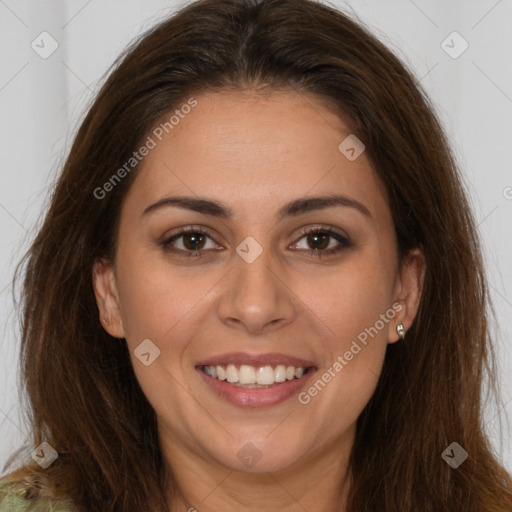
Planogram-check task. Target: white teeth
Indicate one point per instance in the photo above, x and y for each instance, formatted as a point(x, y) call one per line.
point(231, 373)
point(280, 373)
point(221, 373)
point(247, 375)
point(265, 375)
point(251, 376)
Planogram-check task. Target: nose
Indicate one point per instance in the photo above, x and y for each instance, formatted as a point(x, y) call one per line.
point(256, 297)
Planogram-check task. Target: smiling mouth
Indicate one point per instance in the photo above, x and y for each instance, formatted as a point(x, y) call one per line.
point(247, 376)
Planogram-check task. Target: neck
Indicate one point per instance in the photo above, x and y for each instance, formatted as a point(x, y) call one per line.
point(320, 482)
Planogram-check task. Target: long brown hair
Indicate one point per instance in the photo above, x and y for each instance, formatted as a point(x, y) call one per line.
point(83, 395)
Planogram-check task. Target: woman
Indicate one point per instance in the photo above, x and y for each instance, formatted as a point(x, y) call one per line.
point(258, 285)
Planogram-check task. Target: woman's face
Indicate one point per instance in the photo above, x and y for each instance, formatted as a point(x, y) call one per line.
point(248, 292)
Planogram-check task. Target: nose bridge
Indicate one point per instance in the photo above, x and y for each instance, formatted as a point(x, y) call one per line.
point(256, 278)
point(256, 295)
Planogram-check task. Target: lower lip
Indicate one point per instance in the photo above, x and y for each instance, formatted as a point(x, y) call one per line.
point(256, 397)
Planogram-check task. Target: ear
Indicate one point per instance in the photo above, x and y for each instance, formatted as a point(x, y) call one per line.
point(408, 289)
point(107, 297)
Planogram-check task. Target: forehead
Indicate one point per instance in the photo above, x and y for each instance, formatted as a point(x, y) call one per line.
point(251, 150)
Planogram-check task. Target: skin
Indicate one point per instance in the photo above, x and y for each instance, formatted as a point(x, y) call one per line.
point(253, 154)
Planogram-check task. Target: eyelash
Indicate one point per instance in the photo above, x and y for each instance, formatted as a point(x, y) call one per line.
point(314, 253)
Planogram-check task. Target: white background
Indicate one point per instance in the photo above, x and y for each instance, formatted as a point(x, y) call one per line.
point(42, 101)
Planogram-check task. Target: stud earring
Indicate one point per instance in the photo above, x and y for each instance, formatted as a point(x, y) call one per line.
point(400, 329)
point(106, 322)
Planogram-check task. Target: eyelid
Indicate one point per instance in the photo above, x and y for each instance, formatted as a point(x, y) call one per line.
point(342, 239)
point(192, 228)
point(323, 228)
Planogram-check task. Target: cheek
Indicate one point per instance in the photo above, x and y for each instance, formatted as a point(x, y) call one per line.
point(165, 305)
point(349, 300)
point(155, 297)
point(354, 311)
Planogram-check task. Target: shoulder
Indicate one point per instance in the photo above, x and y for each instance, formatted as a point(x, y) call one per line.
point(12, 495)
point(18, 495)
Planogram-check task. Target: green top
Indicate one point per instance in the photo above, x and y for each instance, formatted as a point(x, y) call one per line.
point(12, 499)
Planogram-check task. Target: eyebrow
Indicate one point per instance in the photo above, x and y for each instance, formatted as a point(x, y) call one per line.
point(291, 209)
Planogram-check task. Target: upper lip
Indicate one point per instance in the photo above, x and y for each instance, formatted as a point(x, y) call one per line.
point(257, 360)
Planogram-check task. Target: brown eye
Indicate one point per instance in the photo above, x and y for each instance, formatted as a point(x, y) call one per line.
point(189, 242)
point(194, 241)
point(318, 240)
point(323, 241)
